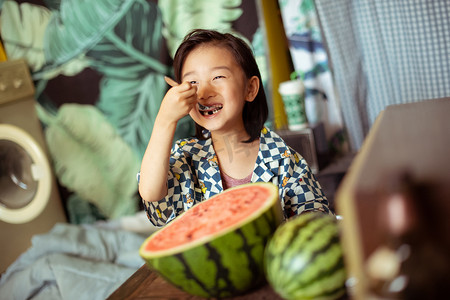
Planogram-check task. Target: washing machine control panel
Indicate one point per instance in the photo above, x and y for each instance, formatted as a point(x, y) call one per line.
point(15, 81)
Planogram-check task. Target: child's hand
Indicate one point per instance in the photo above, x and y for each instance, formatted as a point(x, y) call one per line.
point(178, 101)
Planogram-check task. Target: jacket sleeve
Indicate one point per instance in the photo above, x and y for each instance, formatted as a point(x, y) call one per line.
point(162, 212)
point(302, 191)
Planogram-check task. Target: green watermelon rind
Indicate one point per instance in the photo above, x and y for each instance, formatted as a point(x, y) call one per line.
point(239, 248)
point(312, 237)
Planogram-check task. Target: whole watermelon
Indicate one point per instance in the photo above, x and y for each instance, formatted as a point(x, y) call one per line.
point(304, 259)
point(216, 248)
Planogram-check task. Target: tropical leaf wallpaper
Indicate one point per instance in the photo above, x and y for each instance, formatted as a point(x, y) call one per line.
point(98, 68)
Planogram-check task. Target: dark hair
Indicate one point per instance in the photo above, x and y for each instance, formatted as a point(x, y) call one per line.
point(254, 113)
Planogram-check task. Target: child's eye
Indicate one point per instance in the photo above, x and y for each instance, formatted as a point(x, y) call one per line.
point(193, 82)
point(218, 77)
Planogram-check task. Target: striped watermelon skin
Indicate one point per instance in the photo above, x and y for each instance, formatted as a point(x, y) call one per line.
point(228, 265)
point(304, 258)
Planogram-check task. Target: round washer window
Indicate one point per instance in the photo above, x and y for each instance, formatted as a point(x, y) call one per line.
point(17, 185)
point(25, 176)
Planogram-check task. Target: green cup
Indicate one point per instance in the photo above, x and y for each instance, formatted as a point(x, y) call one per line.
point(293, 94)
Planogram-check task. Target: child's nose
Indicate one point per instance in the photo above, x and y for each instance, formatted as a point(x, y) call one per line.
point(204, 90)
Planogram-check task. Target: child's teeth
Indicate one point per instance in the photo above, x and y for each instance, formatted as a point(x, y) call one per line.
point(202, 107)
point(209, 110)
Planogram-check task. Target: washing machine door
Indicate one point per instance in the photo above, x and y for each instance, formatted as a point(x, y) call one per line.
point(25, 176)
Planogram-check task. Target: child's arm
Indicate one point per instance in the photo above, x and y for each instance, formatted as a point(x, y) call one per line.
point(177, 103)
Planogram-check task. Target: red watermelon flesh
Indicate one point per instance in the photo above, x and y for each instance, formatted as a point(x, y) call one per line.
point(212, 217)
point(216, 248)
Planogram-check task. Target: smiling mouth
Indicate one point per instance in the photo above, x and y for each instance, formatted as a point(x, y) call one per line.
point(209, 110)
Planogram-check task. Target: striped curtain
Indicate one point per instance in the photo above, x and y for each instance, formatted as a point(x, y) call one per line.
point(385, 52)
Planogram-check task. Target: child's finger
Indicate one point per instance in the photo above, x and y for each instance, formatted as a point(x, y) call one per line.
point(190, 92)
point(191, 98)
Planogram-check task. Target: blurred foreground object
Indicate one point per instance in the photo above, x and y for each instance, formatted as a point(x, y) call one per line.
point(395, 202)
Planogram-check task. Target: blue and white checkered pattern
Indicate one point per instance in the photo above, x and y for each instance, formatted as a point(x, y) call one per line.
point(385, 52)
point(195, 176)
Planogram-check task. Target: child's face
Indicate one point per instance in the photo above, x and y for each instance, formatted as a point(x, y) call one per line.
point(222, 88)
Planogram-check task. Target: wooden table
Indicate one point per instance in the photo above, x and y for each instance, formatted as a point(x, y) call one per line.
point(145, 284)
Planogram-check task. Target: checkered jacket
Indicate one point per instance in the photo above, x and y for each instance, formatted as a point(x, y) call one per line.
point(195, 176)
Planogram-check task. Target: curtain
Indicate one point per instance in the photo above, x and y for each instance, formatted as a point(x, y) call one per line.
point(383, 53)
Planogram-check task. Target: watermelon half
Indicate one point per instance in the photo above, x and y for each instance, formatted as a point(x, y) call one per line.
point(216, 248)
point(304, 258)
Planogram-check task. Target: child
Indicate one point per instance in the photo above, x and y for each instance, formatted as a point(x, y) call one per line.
point(220, 88)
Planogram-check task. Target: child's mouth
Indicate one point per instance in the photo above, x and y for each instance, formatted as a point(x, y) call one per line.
point(209, 110)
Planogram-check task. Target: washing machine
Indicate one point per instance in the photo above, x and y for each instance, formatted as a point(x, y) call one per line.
point(29, 198)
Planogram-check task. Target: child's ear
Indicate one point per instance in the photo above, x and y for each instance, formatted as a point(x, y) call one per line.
point(252, 88)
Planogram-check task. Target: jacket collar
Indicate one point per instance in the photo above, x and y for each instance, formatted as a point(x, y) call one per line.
point(272, 148)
